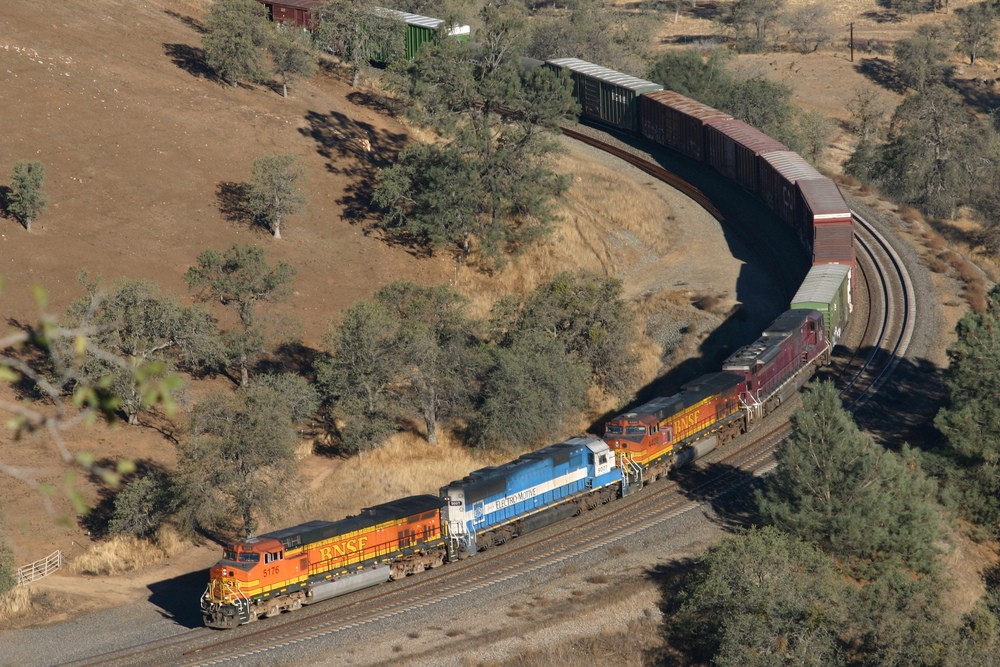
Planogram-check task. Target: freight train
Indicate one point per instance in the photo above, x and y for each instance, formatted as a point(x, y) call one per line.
point(288, 568)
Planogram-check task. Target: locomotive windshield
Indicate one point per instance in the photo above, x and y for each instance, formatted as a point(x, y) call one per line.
point(228, 554)
point(635, 430)
point(248, 557)
point(613, 429)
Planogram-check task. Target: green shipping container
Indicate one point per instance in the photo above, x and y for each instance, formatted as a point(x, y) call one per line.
point(827, 288)
point(604, 94)
point(422, 29)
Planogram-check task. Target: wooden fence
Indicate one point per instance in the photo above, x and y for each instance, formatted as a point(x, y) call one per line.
point(40, 568)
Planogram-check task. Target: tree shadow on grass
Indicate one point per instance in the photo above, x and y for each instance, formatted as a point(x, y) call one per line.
point(5, 193)
point(189, 21)
point(231, 199)
point(191, 59)
point(358, 151)
point(880, 72)
point(980, 94)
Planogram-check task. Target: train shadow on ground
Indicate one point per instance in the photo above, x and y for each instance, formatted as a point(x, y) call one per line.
point(177, 598)
point(905, 407)
point(733, 506)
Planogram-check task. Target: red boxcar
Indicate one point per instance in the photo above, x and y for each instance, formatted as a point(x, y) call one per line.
point(770, 365)
point(779, 172)
point(298, 13)
point(819, 203)
point(676, 121)
point(732, 148)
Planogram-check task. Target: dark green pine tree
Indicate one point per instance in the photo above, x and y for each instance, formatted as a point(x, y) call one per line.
point(856, 499)
point(970, 422)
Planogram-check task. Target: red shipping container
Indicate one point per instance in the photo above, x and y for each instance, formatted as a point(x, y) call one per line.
point(676, 121)
point(779, 171)
point(732, 147)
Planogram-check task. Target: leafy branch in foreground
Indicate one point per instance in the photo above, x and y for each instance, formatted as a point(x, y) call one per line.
point(42, 364)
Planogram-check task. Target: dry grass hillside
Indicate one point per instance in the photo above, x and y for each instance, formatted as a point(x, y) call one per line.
point(142, 148)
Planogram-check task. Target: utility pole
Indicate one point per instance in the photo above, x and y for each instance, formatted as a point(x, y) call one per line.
point(852, 41)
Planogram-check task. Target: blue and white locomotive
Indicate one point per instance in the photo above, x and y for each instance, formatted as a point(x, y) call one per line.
point(497, 503)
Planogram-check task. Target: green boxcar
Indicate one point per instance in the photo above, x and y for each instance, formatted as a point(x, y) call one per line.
point(604, 94)
point(423, 29)
point(827, 289)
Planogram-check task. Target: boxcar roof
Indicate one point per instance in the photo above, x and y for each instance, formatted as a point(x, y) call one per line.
point(791, 165)
point(823, 198)
point(821, 284)
point(604, 74)
point(424, 21)
point(747, 135)
point(686, 105)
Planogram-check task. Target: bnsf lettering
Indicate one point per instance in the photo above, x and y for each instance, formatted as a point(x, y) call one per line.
point(343, 548)
point(687, 421)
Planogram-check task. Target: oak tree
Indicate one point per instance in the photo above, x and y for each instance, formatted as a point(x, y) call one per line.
point(360, 31)
point(236, 34)
point(237, 463)
point(292, 56)
point(143, 328)
point(488, 189)
point(273, 192)
point(26, 201)
point(241, 280)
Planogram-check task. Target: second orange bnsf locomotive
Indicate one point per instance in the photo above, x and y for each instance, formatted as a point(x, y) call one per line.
point(672, 431)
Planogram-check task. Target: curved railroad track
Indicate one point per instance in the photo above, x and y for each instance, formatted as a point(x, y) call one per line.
point(884, 295)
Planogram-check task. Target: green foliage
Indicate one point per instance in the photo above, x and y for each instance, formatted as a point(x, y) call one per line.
point(528, 388)
point(705, 78)
point(586, 313)
point(273, 191)
point(238, 460)
point(237, 33)
point(760, 598)
point(8, 570)
point(752, 23)
point(143, 505)
point(292, 55)
point(243, 281)
point(26, 201)
point(970, 422)
point(358, 32)
point(939, 155)
point(810, 26)
point(976, 31)
point(857, 500)
point(765, 104)
point(435, 354)
point(299, 395)
point(489, 187)
point(922, 58)
point(354, 380)
point(147, 332)
point(411, 349)
point(594, 30)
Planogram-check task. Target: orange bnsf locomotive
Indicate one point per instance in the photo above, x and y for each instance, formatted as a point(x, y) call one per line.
point(285, 569)
point(672, 431)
